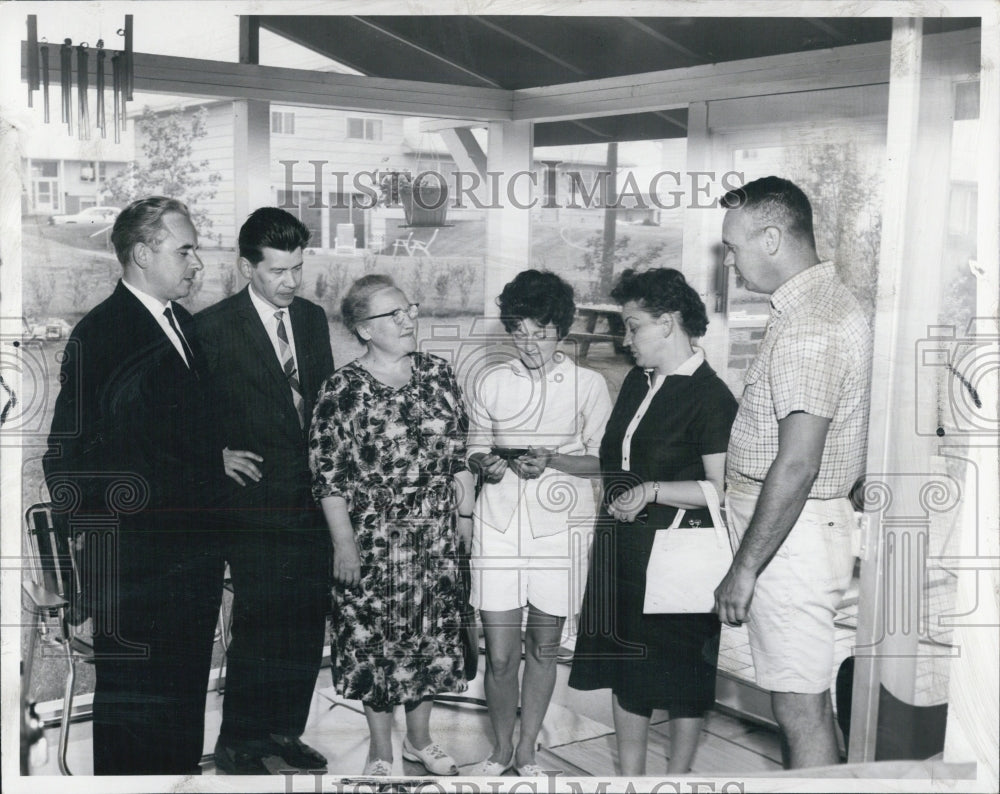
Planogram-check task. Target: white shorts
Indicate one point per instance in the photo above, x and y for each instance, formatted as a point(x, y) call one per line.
point(790, 623)
point(510, 570)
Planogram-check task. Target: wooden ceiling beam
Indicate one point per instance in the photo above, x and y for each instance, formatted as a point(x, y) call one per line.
point(167, 74)
point(839, 67)
point(669, 42)
point(816, 70)
point(384, 31)
point(525, 43)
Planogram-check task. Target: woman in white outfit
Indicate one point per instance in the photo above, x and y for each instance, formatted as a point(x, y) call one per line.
point(536, 423)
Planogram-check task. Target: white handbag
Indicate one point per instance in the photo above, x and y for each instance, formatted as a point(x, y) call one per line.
point(686, 564)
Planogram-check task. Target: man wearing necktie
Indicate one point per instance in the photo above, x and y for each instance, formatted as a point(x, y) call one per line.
point(267, 353)
point(133, 467)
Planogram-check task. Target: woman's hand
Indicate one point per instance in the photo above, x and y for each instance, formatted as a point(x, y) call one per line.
point(463, 529)
point(533, 462)
point(492, 467)
point(346, 561)
point(628, 504)
point(239, 463)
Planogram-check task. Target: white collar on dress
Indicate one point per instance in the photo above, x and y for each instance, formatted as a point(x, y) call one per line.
point(688, 367)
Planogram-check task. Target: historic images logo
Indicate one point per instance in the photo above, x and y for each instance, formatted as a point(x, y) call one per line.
point(664, 190)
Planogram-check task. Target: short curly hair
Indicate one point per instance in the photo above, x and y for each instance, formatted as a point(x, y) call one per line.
point(663, 290)
point(355, 305)
point(540, 296)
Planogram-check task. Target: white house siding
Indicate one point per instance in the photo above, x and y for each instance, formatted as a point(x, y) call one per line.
point(322, 135)
point(217, 148)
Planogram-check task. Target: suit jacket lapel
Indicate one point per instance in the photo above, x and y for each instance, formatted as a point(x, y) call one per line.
point(147, 332)
point(186, 323)
point(262, 342)
point(300, 332)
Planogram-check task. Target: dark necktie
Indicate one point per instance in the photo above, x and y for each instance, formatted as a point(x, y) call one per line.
point(288, 365)
point(184, 345)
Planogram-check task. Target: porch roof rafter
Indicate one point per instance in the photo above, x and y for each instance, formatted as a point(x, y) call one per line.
point(672, 89)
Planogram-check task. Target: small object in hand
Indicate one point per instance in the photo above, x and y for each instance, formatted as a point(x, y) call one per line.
point(509, 453)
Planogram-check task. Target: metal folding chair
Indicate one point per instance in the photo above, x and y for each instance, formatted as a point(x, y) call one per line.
point(50, 589)
point(416, 246)
point(399, 242)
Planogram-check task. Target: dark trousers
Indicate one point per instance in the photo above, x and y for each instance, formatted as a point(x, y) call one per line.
point(281, 595)
point(153, 641)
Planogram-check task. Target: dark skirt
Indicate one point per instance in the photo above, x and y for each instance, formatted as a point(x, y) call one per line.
point(648, 661)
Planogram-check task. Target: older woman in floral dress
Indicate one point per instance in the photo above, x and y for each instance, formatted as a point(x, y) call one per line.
point(387, 449)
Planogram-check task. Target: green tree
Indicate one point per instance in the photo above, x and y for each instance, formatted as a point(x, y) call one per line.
point(623, 256)
point(844, 185)
point(167, 166)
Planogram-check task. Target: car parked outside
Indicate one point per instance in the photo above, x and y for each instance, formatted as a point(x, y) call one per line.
point(91, 215)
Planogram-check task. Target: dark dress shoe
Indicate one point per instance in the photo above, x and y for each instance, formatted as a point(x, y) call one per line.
point(297, 753)
point(234, 759)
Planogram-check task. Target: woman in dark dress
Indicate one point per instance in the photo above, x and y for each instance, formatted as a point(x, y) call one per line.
point(387, 450)
point(669, 430)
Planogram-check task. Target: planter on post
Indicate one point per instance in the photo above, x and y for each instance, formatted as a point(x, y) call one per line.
point(425, 203)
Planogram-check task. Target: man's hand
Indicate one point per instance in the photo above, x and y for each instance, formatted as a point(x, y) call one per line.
point(628, 504)
point(493, 467)
point(733, 596)
point(346, 561)
point(240, 463)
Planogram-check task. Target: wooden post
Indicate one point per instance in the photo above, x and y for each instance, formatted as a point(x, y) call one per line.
point(973, 729)
point(508, 226)
point(904, 103)
point(251, 158)
point(609, 195)
point(904, 459)
point(249, 39)
point(702, 236)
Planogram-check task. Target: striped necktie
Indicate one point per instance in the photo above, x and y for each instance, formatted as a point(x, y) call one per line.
point(288, 365)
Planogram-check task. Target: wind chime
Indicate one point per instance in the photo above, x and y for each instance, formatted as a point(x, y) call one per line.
point(121, 80)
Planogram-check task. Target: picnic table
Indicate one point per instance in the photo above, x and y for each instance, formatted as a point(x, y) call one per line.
point(591, 313)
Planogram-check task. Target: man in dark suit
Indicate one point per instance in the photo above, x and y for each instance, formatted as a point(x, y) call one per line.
point(132, 464)
point(268, 352)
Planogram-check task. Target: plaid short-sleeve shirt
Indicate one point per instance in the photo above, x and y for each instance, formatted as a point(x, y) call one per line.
point(815, 358)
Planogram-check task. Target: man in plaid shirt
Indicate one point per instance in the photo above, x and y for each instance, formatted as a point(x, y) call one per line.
point(797, 448)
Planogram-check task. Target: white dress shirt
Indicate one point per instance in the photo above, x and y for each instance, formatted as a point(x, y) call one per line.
point(266, 312)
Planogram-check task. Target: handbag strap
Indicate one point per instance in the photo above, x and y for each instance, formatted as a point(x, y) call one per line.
point(715, 510)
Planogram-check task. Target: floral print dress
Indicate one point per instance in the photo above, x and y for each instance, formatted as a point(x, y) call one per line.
point(391, 453)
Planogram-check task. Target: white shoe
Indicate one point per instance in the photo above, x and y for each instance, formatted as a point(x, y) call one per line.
point(376, 767)
point(488, 768)
point(436, 760)
point(531, 770)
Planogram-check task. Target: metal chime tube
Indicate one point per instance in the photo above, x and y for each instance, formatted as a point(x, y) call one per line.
point(44, 52)
point(116, 88)
point(66, 81)
point(124, 90)
point(32, 58)
point(99, 106)
point(82, 84)
point(129, 70)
